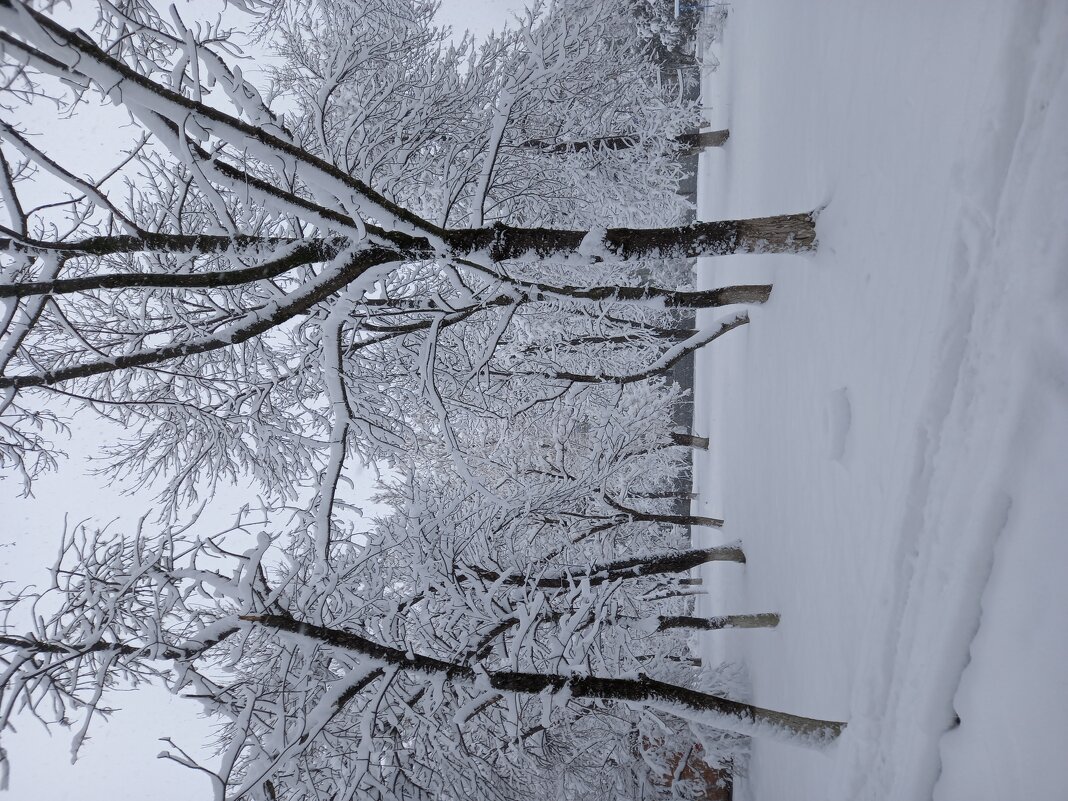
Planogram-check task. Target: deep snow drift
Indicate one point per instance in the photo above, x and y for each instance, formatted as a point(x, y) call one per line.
point(890, 434)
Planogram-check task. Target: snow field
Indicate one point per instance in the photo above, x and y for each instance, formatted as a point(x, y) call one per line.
point(888, 435)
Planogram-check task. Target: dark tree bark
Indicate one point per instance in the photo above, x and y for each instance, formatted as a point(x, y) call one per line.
point(637, 567)
point(659, 368)
point(689, 661)
point(785, 233)
point(693, 143)
point(678, 520)
point(31, 644)
point(689, 440)
point(669, 298)
point(667, 496)
point(684, 702)
point(762, 620)
point(689, 143)
point(299, 302)
point(619, 339)
point(302, 254)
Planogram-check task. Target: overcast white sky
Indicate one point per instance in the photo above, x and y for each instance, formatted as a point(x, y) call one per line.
point(478, 16)
point(118, 760)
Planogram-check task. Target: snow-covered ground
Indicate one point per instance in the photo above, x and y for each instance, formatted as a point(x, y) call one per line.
point(890, 434)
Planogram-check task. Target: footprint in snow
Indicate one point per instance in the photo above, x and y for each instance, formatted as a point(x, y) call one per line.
point(838, 419)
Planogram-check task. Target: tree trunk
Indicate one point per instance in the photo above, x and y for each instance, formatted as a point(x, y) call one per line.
point(689, 143)
point(253, 324)
point(689, 440)
point(763, 620)
point(619, 339)
point(668, 298)
point(667, 496)
point(784, 233)
point(724, 713)
point(689, 661)
point(696, 142)
point(637, 567)
point(677, 520)
point(666, 361)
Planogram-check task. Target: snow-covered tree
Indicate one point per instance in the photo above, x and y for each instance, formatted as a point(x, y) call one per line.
point(437, 259)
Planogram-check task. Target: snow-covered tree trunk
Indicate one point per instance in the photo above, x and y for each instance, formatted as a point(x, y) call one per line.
point(689, 440)
point(784, 233)
point(689, 143)
point(732, 715)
